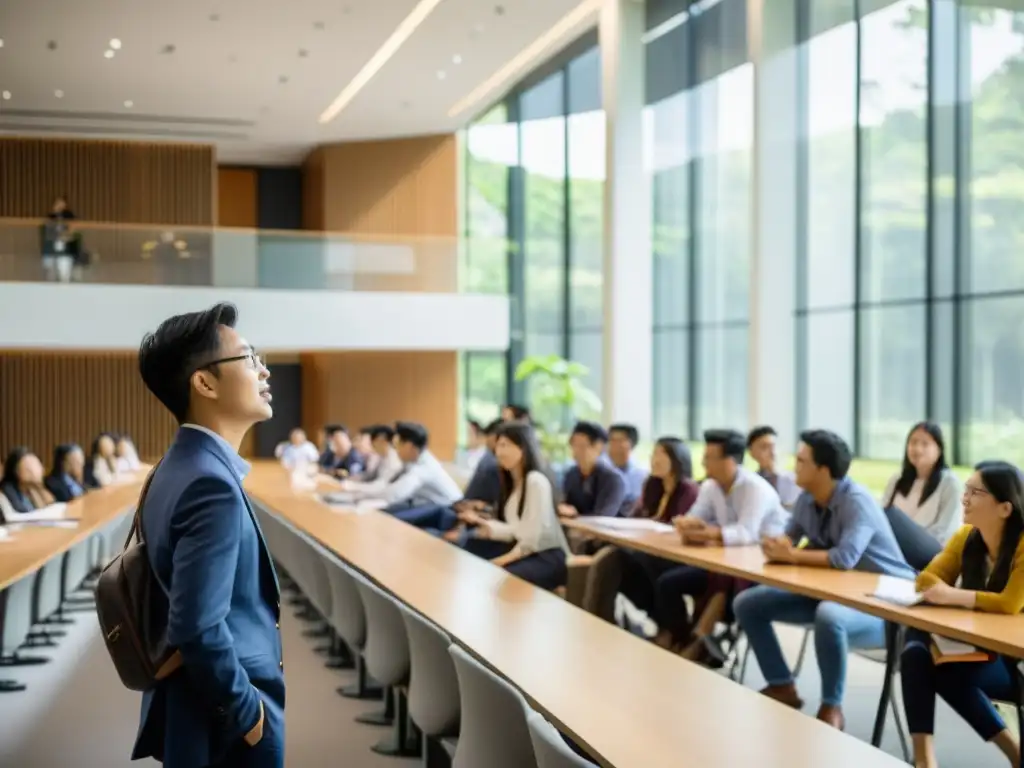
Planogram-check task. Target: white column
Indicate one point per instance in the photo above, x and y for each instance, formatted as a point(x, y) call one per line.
point(628, 340)
point(772, 348)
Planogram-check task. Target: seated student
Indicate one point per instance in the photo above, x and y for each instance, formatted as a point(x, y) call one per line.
point(23, 483)
point(622, 439)
point(297, 451)
point(835, 524)
point(761, 447)
point(734, 508)
point(364, 444)
point(386, 467)
point(343, 460)
point(923, 499)
point(127, 457)
point(525, 525)
point(668, 493)
point(476, 446)
point(591, 486)
point(66, 480)
point(102, 469)
point(423, 480)
point(480, 496)
point(987, 557)
point(512, 412)
point(323, 439)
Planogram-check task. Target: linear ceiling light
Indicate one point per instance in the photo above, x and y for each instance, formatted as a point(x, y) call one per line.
point(402, 33)
point(528, 55)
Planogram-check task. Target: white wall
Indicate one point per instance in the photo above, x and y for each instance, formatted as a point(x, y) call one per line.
point(116, 317)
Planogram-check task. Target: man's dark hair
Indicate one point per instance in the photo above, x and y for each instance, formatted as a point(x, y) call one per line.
point(729, 440)
point(182, 345)
point(758, 432)
point(632, 433)
point(380, 430)
point(591, 430)
point(476, 426)
point(828, 450)
point(519, 412)
point(492, 428)
point(331, 429)
point(411, 432)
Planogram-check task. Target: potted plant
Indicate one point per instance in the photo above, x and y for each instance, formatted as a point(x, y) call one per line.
point(558, 399)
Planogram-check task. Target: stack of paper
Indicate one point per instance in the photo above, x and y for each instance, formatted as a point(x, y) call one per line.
point(52, 512)
point(897, 591)
point(632, 524)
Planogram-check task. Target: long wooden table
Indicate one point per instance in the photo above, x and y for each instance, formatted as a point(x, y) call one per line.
point(31, 546)
point(999, 633)
point(627, 702)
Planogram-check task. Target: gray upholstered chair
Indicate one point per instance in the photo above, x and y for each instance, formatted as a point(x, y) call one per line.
point(433, 688)
point(388, 661)
point(549, 746)
point(494, 731)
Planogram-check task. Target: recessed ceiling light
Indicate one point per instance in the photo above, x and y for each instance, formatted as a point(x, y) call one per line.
point(115, 44)
point(441, 74)
point(129, 104)
point(6, 95)
point(499, 10)
point(168, 49)
point(59, 93)
point(456, 59)
point(1, 42)
point(232, 58)
point(303, 53)
point(319, 26)
point(52, 45)
point(283, 79)
point(214, 17)
point(108, 54)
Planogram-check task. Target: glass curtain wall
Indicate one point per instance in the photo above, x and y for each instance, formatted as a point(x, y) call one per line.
point(699, 136)
point(535, 194)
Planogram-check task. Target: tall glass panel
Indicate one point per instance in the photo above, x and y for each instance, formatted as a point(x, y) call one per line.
point(492, 149)
point(586, 164)
point(542, 133)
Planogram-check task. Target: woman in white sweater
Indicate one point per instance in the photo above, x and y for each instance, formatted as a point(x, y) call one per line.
point(526, 518)
point(923, 500)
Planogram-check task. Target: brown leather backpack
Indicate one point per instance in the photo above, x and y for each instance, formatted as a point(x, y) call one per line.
point(133, 609)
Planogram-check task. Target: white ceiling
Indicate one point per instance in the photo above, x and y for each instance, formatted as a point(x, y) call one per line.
point(222, 83)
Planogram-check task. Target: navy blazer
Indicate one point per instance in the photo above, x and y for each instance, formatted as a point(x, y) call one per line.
point(208, 552)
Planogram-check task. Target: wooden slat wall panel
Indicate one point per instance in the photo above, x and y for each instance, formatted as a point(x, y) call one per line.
point(47, 398)
point(361, 388)
point(236, 198)
point(396, 187)
point(118, 181)
point(313, 191)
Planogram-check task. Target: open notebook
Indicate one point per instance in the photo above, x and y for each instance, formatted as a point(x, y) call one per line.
point(631, 524)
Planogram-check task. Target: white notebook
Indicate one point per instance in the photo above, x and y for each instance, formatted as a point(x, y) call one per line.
point(631, 524)
point(897, 591)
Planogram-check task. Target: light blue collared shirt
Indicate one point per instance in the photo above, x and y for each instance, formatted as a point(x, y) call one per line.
point(634, 476)
point(242, 467)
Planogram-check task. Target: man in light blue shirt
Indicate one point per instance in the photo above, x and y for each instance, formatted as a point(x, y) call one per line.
point(835, 524)
point(622, 439)
point(761, 446)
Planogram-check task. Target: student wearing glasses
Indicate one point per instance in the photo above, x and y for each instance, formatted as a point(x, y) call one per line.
point(204, 543)
point(986, 557)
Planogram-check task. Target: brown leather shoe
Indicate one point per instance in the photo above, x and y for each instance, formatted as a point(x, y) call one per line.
point(784, 694)
point(833, 716)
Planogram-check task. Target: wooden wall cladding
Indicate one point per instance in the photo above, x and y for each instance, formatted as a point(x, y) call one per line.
point(120, 181)
point(362, 388)
point(237, 198)
point(313, 191)
point(47, 398)
point(404, 187)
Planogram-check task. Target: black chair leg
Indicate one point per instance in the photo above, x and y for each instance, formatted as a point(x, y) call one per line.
point(384, 716)
point(362, 688)
point(403, 741)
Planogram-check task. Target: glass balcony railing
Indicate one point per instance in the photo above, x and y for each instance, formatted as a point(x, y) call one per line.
point(32, 250)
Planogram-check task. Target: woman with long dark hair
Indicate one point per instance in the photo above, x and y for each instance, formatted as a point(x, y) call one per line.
point(66, 480)
point(668, 493)
point(23, 481)
point(922, 501)
point(987, 557)
point(525, 515)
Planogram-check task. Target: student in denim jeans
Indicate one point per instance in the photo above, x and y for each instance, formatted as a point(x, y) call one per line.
point(845, 529)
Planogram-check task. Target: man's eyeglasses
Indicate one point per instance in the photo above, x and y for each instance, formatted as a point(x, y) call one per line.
point(254, 360)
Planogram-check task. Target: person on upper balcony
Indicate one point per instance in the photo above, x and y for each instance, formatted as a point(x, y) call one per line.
point(60, 242)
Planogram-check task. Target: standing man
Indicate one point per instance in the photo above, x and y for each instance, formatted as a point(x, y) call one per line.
point(225, 707)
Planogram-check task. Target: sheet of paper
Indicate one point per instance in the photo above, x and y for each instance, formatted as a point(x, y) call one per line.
point(631, 524)
point(897, 591)
point(52, 512)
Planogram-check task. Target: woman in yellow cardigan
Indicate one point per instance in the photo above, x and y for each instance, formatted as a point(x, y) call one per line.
point(987, 557)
